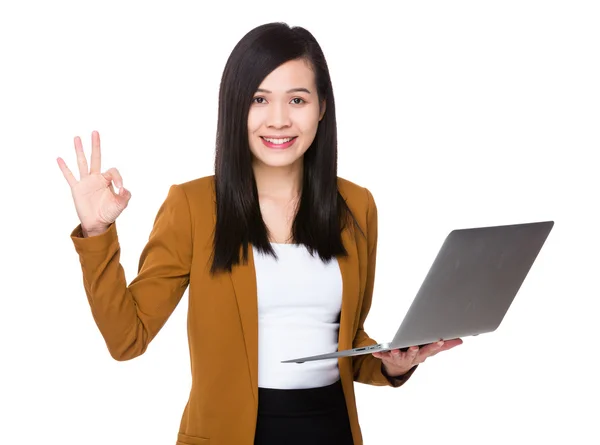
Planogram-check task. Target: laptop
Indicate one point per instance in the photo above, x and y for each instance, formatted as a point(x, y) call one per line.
point(469, 288)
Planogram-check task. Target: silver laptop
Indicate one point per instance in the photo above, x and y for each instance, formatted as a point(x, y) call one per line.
point(468, 289)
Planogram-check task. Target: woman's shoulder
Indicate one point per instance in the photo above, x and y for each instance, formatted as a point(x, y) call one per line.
point(198, 193)
point(357, 196)
point(199, 186)
point(199, 189)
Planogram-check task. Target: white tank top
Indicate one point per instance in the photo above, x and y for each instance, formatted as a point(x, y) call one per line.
point(299, 304)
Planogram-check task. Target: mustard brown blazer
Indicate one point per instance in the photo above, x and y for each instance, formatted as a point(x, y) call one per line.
point(222, 310)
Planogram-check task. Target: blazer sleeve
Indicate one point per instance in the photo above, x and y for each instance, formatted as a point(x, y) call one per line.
point(129, 317)
point(367, 368)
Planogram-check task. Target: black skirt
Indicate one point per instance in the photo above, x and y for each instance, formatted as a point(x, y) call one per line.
point(316, 416)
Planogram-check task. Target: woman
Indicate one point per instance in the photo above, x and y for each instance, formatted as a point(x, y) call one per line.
point(278, 252)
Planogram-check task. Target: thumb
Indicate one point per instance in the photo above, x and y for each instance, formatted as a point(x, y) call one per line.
point(123, 196)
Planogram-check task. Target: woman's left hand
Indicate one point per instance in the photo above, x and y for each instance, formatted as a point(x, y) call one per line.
point(397, 362)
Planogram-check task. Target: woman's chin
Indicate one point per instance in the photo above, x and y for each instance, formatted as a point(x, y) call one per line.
point(278, 161)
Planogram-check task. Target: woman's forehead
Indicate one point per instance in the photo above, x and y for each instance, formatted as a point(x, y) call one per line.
point(290, 77)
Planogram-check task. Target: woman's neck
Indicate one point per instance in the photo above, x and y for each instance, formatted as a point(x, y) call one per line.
point(281, 183)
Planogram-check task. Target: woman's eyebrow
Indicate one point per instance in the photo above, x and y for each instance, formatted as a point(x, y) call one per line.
point(293, 90)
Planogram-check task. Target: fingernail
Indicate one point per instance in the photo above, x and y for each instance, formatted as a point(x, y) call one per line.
point(440, 343)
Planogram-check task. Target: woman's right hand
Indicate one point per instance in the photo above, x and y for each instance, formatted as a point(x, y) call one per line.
point(96, 202)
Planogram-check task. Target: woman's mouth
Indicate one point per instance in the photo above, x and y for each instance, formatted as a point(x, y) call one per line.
point(279, 143)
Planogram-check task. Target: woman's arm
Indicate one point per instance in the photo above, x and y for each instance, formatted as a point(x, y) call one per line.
point(129, 317)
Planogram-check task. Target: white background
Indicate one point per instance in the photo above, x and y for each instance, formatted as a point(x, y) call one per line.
point(453, 113)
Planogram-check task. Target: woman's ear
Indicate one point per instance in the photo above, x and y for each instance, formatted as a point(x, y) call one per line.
point(323, 107)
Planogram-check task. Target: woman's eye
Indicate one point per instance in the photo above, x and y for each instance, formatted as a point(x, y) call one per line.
point(261, 100)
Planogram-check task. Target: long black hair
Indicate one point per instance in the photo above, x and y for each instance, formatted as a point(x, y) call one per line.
point(321, 213)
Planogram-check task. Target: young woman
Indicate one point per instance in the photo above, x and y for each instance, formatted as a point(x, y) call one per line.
point(277, 250)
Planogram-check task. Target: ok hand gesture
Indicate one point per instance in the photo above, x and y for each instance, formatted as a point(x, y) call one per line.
point(97, 203)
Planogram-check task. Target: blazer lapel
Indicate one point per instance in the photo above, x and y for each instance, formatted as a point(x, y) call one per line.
point(350, 293)
point(243, 278)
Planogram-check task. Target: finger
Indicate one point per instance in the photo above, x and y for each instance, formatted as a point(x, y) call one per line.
point(412, 353)
point(66, 172)
point(95, 158)
point(449, 344)
point(454, 342)
point(113, 175)
point(123, 196)
point(81, 161)
point(442, 345)
point(398, 356)
point(382, 354)
point(432, 348)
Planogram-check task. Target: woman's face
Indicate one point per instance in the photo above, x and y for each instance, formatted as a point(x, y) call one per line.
point(284, 115)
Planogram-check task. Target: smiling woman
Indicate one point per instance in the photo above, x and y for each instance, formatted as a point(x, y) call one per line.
point(284, 118)
point(278, 252)
point(277, 81)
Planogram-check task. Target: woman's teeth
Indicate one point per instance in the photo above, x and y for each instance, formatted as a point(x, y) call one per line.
point(278, 141)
